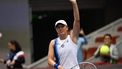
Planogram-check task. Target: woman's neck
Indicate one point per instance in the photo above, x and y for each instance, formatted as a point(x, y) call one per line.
point(62, 37)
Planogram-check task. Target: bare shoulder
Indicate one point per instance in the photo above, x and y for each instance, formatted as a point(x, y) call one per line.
point(52, 43)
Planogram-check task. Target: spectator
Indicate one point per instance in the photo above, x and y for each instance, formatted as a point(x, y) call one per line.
point(81, 42)
point(15, 57)
point(112, 57)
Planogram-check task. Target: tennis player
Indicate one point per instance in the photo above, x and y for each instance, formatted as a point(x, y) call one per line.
point(62, 52)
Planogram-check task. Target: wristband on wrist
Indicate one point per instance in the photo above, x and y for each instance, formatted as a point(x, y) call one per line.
point(56, 66)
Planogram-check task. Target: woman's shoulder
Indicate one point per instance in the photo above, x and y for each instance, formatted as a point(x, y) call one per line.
point(113, 46)
point(20, 53)
point(53, 41)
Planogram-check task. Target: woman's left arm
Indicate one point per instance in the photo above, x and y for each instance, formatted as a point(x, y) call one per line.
point(18, 58)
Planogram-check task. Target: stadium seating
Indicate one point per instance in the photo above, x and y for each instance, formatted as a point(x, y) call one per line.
point(115, 29)
point(119, 29)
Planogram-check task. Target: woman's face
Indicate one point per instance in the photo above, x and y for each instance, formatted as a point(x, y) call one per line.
point(11, 46)
point(107, 40)
point(61, 29)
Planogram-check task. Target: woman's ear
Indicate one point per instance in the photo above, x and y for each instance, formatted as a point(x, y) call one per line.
point(67, 28)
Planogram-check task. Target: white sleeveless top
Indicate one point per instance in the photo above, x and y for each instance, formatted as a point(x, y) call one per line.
point(67, 51)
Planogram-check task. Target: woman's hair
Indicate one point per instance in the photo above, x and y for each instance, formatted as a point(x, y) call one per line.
point(108, 35)
point(16, 44)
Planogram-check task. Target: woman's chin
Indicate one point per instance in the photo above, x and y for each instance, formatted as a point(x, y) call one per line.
point(61, 34)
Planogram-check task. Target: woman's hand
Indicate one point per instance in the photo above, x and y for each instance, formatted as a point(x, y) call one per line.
point(12, 63)
point(60, 67)
point(72, 1)
point(8, 62)
point(1, 60)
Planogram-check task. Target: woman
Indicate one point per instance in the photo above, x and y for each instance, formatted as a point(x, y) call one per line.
point(62, 52)
point(15, 57)
point(112, 56)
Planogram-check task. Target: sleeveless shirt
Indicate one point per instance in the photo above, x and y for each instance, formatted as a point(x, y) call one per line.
point(67, 52)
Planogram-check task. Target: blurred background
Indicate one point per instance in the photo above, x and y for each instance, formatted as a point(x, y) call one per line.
point(31, 22)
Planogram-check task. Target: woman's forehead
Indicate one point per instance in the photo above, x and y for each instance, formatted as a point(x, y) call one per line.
point(107, 36)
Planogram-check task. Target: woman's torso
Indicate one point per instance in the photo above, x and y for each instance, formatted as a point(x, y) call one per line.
point(67, 51)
